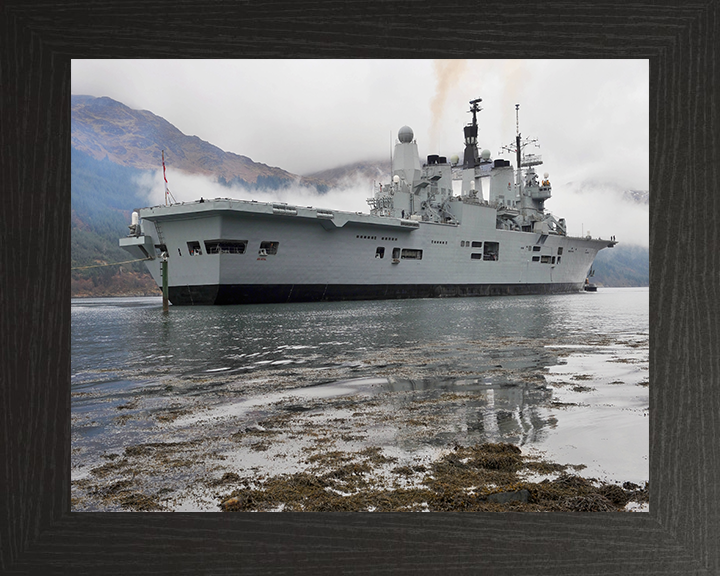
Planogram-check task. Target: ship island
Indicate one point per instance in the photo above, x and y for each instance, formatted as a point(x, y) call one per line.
point(420, 238)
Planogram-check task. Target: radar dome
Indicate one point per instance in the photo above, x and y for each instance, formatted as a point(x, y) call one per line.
point(546, 175)
point(454, 159)
point(485, 154)
point(396, 178)
point(405, 134)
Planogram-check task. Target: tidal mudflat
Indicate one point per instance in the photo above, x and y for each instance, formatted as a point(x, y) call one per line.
point(531, 425)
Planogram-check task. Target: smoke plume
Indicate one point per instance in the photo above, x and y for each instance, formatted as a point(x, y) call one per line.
point(448, 74)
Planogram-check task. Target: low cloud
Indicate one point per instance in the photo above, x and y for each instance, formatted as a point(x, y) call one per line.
point(350, 194)
point(597, 208)
point(601, 210)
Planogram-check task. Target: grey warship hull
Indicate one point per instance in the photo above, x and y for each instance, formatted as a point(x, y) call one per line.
point(421, 239)
point(250, 294)
point(233, 251)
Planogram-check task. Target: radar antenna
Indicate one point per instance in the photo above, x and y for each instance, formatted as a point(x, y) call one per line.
point(470, 156)
point(475, 108)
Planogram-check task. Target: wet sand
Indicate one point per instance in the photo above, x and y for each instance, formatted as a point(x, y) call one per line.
point(560, 425)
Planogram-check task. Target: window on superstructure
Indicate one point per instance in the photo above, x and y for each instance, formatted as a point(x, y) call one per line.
point(225, 246)
point(396, 254)
point(560, 248)
point(268, 248)
point(491, 251)
point(477, 244)
point(536, 258)
point(411, 254)
point(476, 256)
point(194, 248)
point(545, 260)
point(380, 252)
point(536, 248)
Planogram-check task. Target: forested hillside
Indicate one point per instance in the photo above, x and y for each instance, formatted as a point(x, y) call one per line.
point(103, 195)
point(622, 266)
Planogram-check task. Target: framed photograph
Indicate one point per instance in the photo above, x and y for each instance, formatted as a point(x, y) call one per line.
point(53, 527)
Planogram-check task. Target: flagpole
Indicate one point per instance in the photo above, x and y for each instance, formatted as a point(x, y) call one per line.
point(164, 177)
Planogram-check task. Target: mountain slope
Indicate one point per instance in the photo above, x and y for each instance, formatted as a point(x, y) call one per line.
point(622, 266)
point(106, 129)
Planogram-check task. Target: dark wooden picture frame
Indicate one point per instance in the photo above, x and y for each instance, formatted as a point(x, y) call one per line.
point(39, 534)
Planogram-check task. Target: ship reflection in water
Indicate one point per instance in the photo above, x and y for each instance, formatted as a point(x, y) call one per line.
point(476, 411)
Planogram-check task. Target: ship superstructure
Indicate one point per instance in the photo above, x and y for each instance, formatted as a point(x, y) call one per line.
point(425, 193)
point(430, 233)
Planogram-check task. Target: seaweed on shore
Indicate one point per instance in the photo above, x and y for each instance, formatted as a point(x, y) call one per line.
point(483, 477)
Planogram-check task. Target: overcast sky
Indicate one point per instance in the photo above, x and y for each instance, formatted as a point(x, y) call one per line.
point(589, 116)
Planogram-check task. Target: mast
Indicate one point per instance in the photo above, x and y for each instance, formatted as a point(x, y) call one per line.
point(517, 147)
point(517, 137)
point(470, 157)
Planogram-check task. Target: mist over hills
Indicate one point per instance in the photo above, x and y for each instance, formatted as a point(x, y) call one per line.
point(116, 157)
point(639, 196)
point(377, 170)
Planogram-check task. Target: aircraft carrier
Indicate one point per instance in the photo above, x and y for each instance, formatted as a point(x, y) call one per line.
point(430, 232)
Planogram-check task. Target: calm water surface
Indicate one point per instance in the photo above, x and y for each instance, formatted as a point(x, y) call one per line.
point(591, 407)
point(130, 337)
